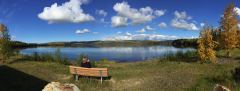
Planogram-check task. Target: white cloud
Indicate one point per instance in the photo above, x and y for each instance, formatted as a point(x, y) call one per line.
point(146, 28)
point(136, 16)
point(82, 31)
point(181, 21)
point(118, 21)
point(237, 10)
point(149, 28)
point(202, 24)
point(162, 25)
point(128, 34)
point(67, 12)
point(239, 25)
point(141, 37)
point(159, 12)
point(182, 15)
point(142, 30)
point(101, 12)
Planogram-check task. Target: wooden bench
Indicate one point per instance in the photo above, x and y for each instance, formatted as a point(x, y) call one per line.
point(94, 72)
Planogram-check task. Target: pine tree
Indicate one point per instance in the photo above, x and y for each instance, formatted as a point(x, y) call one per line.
point(206, 45)
point(229, 25)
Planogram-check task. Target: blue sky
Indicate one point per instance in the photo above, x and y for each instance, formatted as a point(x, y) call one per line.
point(39, 21)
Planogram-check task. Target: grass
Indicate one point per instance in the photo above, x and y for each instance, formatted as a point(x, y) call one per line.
point(140, 76)
point(235, 53)
point(171, 73)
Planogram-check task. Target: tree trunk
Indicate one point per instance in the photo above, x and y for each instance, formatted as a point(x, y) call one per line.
point(228, 53)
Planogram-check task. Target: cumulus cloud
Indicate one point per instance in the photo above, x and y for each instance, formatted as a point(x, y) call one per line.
point(141, 30)
point(162, 25)
point(146, 28)
point(101, 12)
point(67, 12)
point(118, 21)
point(149, 28)
point(82, 31)
point(141, 37)
point(237, 10)
point(181, 21)
point(160, 12)
point(136, 16)
point(128, 34)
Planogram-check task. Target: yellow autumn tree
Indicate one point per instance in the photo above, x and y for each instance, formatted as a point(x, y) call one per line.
point(206, 45)
point(238, 33)
point(229, 25)
point(5, 45)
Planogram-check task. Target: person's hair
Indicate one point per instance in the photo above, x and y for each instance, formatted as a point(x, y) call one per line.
point(85, 58)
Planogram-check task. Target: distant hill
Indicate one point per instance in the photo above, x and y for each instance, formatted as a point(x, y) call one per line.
point(124, 43)
point(19, 44)
point(110, 43)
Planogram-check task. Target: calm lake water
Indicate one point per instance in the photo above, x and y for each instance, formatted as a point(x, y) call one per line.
point(120, 54)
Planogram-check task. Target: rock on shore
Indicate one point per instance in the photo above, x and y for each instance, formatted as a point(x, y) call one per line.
point(56, 86)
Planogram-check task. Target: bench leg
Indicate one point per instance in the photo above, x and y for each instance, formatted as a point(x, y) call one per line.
point(76, 77)
point(101, 80)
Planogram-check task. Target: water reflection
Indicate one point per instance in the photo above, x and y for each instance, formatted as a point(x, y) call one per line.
point(111, 53)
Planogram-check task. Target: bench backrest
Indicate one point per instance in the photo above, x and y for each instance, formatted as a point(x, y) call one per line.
point(97, 72)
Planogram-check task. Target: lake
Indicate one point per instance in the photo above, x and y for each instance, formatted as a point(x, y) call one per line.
point(120, 54)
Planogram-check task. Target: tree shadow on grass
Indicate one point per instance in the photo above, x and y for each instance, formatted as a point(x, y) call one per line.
point(15, 80)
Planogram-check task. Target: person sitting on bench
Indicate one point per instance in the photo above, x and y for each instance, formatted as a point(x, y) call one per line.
point(85, 63)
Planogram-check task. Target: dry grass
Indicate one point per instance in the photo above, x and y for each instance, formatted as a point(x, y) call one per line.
point(140, 76)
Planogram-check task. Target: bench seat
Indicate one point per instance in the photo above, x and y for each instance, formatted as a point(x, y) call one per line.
point(94, 72)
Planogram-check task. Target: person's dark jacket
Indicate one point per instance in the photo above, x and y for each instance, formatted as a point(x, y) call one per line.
point(86, 65)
